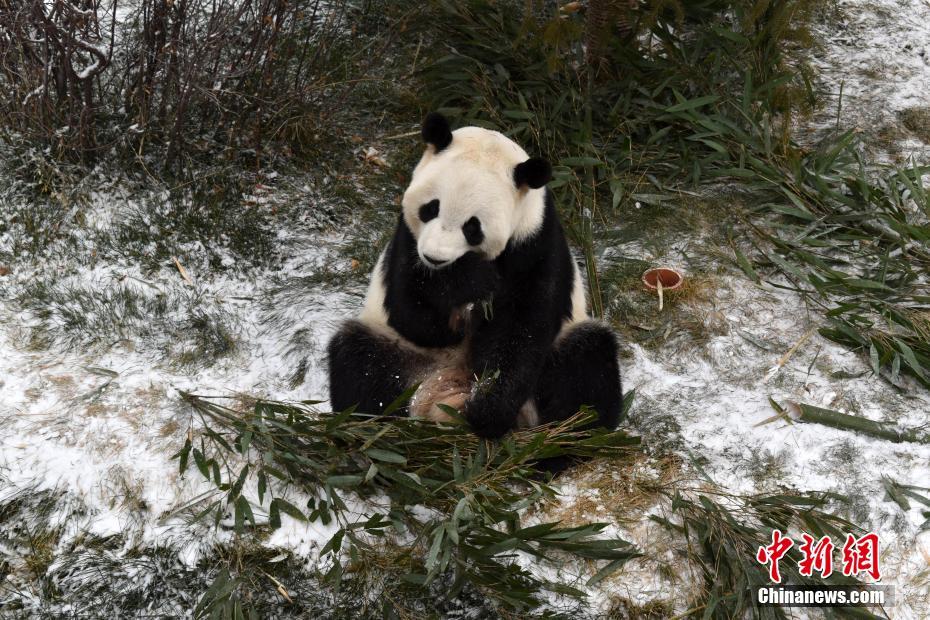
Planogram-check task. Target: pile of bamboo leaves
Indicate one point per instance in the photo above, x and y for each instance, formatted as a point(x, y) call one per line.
point(453, 518)
point(474, 492)
point(724, 531)
point(859, 248)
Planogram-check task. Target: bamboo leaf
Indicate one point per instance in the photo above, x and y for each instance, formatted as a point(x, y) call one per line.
point(693, 103)
point(288, 508)
point(346, 481)
point(910, 358)
point(386, 456)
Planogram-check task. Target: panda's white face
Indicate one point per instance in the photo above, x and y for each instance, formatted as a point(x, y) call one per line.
point(464, 198)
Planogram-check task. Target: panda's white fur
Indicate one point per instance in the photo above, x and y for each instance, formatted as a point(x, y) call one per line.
point(373, 311)
point(579, 301)
point(472, 177)
point(472, 174)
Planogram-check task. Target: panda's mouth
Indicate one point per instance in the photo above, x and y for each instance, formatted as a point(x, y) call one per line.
point(434, 263)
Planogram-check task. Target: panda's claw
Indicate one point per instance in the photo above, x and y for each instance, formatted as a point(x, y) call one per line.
point(486, 420)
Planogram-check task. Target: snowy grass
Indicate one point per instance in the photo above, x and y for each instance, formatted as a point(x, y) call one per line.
point(869, 47)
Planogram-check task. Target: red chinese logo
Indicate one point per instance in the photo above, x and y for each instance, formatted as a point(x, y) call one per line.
point(817, 556)
point(773, 553)
point(860, 555)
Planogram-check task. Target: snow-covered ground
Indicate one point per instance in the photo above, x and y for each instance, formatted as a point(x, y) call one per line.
point(714, 404)
point(97, 423)
point(874, 70)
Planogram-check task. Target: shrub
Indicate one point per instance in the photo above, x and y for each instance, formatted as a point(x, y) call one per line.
point(87, 76)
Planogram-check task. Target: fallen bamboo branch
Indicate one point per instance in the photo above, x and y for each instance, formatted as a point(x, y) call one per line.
point(835, 419)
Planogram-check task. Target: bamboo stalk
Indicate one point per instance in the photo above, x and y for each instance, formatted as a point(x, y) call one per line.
point(835, 419)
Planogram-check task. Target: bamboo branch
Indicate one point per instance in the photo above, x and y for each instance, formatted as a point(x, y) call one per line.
point(844, 422)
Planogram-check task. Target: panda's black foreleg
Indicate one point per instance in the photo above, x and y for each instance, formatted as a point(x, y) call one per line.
point(369, 370)
point(581, 369)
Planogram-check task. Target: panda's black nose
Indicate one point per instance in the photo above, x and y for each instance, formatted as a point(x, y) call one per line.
point(433, 261)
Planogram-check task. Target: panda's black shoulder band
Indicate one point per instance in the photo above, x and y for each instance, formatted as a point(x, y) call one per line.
point(436, 131)
point(535, 172)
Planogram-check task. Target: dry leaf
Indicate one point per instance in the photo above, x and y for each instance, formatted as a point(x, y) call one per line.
point(181, 270)
point(373, 156)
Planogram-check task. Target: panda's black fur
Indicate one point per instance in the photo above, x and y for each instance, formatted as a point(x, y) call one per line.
point(518, 336)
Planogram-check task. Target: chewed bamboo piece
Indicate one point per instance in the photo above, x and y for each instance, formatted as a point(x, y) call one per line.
point(182, 270)
point(787, 356)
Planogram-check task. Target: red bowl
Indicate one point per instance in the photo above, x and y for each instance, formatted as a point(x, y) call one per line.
point(670, 278)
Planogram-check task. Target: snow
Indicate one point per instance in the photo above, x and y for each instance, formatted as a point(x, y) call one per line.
point(87, 71)
point(875, 64)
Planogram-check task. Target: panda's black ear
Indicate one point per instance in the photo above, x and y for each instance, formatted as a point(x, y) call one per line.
point(436, 131)
point(534, 173)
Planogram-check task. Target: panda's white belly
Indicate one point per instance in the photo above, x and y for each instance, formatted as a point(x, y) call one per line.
point(579, 299)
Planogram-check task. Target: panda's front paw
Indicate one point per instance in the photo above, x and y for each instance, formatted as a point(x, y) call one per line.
point(487, 419)
point(485, 280)
point(474, 280)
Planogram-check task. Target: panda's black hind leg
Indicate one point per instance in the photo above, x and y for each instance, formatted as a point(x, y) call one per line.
point(582, 369)
point(369, 370)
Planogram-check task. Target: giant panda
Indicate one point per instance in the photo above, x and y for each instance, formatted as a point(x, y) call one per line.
point(477, 299)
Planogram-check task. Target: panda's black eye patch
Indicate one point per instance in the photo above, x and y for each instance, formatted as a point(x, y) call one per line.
point(430, 210)
point(472, 231)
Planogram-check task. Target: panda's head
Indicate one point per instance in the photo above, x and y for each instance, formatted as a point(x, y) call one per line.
point(473, 191)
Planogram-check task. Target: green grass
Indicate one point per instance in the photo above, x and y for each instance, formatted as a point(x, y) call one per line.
point(212, 222)
point(41, 202)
